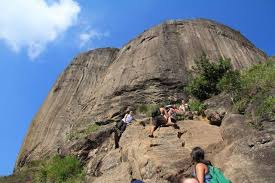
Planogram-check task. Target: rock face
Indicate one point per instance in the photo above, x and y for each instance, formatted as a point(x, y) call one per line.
point(246, 154)
point(152, 67)
point(162, 159)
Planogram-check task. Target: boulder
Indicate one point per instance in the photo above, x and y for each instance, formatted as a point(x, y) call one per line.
point(217, 107)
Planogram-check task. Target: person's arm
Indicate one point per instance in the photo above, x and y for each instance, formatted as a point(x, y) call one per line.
point(200, 172)
point(165, 112)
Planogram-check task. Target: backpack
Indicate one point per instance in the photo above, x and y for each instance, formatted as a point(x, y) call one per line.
point(155, 113)
point(217, 175)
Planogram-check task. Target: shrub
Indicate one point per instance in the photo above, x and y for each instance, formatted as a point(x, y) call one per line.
point(240, 105)
point(61, 170)
point(198, 88)
point(255, 86)
point(259, 78)
point(205, 84)
point(230, 83)
point(267, 107)
point(147, 109)
point(196, 105)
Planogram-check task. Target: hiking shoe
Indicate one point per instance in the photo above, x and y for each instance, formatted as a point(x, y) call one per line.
point(142, 123)
point(176, 126)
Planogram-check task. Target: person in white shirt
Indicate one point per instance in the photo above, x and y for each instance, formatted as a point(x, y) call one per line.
point(121, 126)
point(183, 107)
point(128, 118)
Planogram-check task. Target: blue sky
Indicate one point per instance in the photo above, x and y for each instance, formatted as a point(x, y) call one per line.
point(40, 38)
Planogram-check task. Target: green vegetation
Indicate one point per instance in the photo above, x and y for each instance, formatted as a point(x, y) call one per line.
point(196, 105)
point(267, 108)
point(78, 134)
point(180, 117)
point(147, 109)
point(60, 170)
point(56, 169)
point(205, 84)
point(253, 87)
point(230, 83)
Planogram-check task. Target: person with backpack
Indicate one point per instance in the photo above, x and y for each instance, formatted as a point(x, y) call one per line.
point(204, 171)
point(160, 117)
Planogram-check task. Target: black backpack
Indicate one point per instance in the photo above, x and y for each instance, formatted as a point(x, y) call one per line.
point(155, 113)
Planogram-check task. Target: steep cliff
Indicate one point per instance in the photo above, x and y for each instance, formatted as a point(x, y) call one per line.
point(152, 67)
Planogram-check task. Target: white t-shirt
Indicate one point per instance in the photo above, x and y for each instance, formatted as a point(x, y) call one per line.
point(127, 118)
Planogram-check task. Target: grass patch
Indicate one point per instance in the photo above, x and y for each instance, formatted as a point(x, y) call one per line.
point(60, 170)
point(78, 134)
point(147, 109)
point(56, 169)
point(267, 108)
point(196, 105)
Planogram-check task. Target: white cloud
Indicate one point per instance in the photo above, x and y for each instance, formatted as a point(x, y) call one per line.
point(32, 24)
point(89, 35)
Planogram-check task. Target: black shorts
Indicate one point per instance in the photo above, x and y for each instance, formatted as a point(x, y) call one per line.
point(159, 120)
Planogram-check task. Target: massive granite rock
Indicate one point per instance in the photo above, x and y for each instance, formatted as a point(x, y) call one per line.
point(161, 159)
point(152, 67)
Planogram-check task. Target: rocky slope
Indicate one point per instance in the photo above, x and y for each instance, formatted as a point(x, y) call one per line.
point(161, 159)
point(244, 154)
point(150, 68)
point(153, 67)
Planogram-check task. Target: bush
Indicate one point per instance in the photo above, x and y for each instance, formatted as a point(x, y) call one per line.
point(147, 109)
point(230, 83)
point(205, 84)
point(252, 88)
point(267, 108)
point(196, 105)
point(61, 170)
point(198, 88)
point(258, 79)
point(256, 84)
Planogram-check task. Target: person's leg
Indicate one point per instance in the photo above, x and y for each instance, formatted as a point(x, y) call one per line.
point(170, 123)
point(153, 128)
point(123, 127)
point(116, 138)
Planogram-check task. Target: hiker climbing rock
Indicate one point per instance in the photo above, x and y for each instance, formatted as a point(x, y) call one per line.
point(121, 126)
point(204, 171)
point(160, 117)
